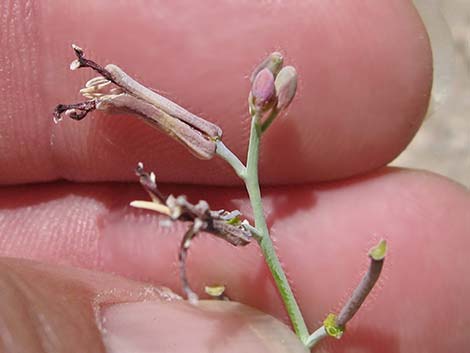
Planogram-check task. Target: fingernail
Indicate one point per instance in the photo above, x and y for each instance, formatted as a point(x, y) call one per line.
point(176, 326)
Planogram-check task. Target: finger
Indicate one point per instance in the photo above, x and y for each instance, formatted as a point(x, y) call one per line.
point(365, 76)
point(321, 234)
point(53, 309)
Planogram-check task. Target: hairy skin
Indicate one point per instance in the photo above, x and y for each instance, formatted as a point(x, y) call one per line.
point(364, 88)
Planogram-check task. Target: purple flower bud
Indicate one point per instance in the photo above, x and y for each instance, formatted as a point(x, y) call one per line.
point(286, 86)
point(263, 89)
point(273, 63)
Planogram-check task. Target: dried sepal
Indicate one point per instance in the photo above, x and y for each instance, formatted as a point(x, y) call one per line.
point(81, 61)
point(197, 143)
point(76, 111)
point(128, 84)
point(149, 183)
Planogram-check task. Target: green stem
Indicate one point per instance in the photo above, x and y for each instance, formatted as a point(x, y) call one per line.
point(230, 157)
point(316, 337)
point(265, 242)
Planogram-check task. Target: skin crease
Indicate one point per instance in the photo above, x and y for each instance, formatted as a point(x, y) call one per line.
point(322, 235)
point(363, 92)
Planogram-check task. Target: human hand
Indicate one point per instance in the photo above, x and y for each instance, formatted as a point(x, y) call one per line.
point(364, 86)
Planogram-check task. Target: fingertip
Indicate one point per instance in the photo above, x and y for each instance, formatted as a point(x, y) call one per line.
point(208, 326)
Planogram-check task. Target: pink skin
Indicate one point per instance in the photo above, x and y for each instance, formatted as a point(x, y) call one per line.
point(364, 87)
point(365, 75)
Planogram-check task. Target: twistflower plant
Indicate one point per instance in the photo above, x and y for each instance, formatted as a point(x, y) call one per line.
point(273, 89)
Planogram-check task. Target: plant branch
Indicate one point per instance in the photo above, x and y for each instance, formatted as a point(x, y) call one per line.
point(223, 152)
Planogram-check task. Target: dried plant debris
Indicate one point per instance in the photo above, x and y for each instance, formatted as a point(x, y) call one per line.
point(225, 225)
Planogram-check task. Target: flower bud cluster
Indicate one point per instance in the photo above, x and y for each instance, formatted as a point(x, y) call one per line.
point(273, 86)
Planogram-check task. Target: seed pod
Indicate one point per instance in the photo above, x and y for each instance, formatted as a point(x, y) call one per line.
point(286, 86)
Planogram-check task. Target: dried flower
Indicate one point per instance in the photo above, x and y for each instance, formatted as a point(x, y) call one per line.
point(223, 224)
point(115, 91)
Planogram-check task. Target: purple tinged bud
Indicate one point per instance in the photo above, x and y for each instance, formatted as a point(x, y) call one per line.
point(263, 89)
point(286, 86)
point(273, 63)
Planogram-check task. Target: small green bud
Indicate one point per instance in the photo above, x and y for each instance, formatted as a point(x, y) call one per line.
point(273, 63)
point(286, 86)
